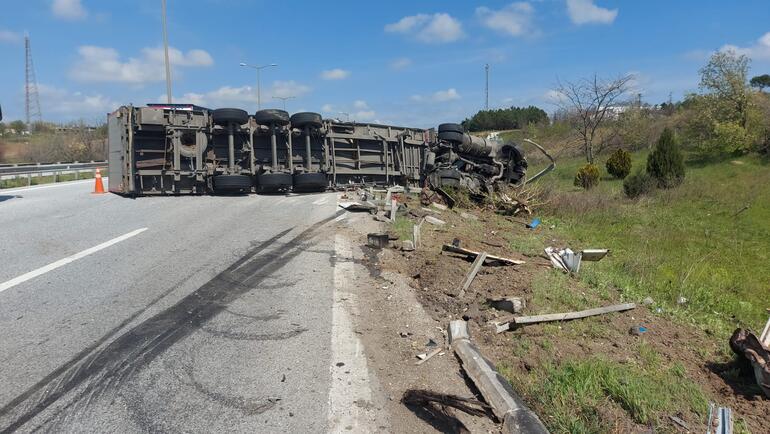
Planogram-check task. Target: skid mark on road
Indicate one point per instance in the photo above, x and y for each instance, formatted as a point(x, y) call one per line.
point(92, 374)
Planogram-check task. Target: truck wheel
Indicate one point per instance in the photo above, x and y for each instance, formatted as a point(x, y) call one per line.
point(454, 128)
point(274, 182)
point(271, 116)
point(224, 116)
point(232, 184)
point(301, 120)
point(307, 182)
point(451, 136)
point(448, 177)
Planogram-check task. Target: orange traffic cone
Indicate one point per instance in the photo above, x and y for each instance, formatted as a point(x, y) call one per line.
point(98, 186)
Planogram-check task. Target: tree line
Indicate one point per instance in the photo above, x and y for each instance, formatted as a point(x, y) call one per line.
point(512, 118)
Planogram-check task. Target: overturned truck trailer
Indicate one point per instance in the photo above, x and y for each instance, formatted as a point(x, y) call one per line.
point(187, 149)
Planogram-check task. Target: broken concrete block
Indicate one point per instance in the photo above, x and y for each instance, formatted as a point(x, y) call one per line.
point(439, 206)
point(407, 246)
point(434, 221)
point(467, 216)
point(508, 304)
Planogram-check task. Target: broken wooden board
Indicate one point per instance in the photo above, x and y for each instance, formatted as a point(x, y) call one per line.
point(429, 355)
point(471, 253)
point(505, 324)
point(477, 263)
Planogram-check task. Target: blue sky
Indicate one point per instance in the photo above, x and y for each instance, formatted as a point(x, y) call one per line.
point(413, 63)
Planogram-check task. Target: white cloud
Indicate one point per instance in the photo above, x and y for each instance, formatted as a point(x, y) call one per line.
point(327, 108)
point(335, 74)
point(514, 19)
point(9, 37)
point(586, 12)
point(102, 64)
point(400, 63)
point(446, 95)
point(360, 104)
point(436, 28)
point(68, 9)
point(242, 96)
point(760, 50)
point(288, 88)
point(439, 96)
point(74, 105)
point(364, 115)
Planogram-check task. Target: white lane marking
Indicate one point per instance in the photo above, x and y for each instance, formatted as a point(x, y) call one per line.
point(57, 184)
point(61, 262)
point(321, 201)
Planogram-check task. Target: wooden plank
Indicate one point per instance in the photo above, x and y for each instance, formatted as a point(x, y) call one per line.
point(491, 258)
point(504, 324)
point(428, 356)
point(472, 273)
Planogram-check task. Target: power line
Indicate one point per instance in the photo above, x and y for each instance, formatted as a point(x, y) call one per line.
point(32, 97)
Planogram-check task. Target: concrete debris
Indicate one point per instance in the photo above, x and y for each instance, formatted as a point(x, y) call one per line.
point(407, 246)
point(472, 254)
point(505, 324)
point(508, 304)
point(467, 216)
point(377, 240)
point(439, 206)
point(434, 221)
point(506, 405)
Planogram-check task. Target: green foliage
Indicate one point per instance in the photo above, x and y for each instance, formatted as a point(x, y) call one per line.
point(19, 126)
point(619, 164)
point(725, 77)
point(505, 119)
point(728, 137)
point(666, 162)
point(587, 177)
point(638, 184)
point(760, 81)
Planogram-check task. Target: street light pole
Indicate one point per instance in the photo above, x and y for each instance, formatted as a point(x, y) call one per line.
point(165, 50)
point(259, 90)
point(284, 98)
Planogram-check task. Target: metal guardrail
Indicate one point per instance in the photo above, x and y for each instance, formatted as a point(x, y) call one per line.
point(33, 170)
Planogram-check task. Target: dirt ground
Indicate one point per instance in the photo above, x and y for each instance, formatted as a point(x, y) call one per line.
point(433, 278)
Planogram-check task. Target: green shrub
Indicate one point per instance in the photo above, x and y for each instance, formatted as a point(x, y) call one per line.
point(666, 162)
point(587, 176)
point(619, 164)
point(638, 184)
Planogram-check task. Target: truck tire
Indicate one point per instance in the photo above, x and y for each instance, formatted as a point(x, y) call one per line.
point(448, 177)
point(454, 128)
point(224, 116)
point(301, 120)
point(232, 184)
point(451, 136)
point(274, 182)
point(308, 182)
point(271, 116)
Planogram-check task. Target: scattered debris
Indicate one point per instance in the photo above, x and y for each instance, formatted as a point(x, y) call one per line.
point(407, 245)
point(721, 421)
point(439, 206)
point(505, 404)
point(503, 325)
point(477, 263)
point(359, 207)
point(425, 357)
point(377, 240)
point(434, 221)
point(417, 235)
point(569, 261)
point(468, 216)
point(436, 407)
point(648, 301)
point(637, 330)
point(472, 254)
point(491, 244)
point(593, 254)
point(393, 208)
point(450, 201)
point(508, 304)
point(681, 300)
point(534, 223)
point(680, 422)
point(745, 207)
point(745, 343)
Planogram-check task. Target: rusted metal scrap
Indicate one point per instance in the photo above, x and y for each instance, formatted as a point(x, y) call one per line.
point(745, 343)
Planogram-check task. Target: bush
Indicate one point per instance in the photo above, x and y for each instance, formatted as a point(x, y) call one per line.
point(587, 176)
point(666, 163)
point(619, 164)
point(638, 184)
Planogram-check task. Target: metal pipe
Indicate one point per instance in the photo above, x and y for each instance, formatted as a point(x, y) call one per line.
point(273, 148)
point(230, 148)
point(290, 152)
point(308, 160)
point(165, 49)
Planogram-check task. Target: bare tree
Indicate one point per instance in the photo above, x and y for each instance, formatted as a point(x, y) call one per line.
point(589, 102)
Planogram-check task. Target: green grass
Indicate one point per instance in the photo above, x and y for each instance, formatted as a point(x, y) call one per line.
point(571, 396)
point(37, 180)
point(403, 228)
point(684, 242)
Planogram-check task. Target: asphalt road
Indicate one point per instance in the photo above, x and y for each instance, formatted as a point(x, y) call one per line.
point(172, 314)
